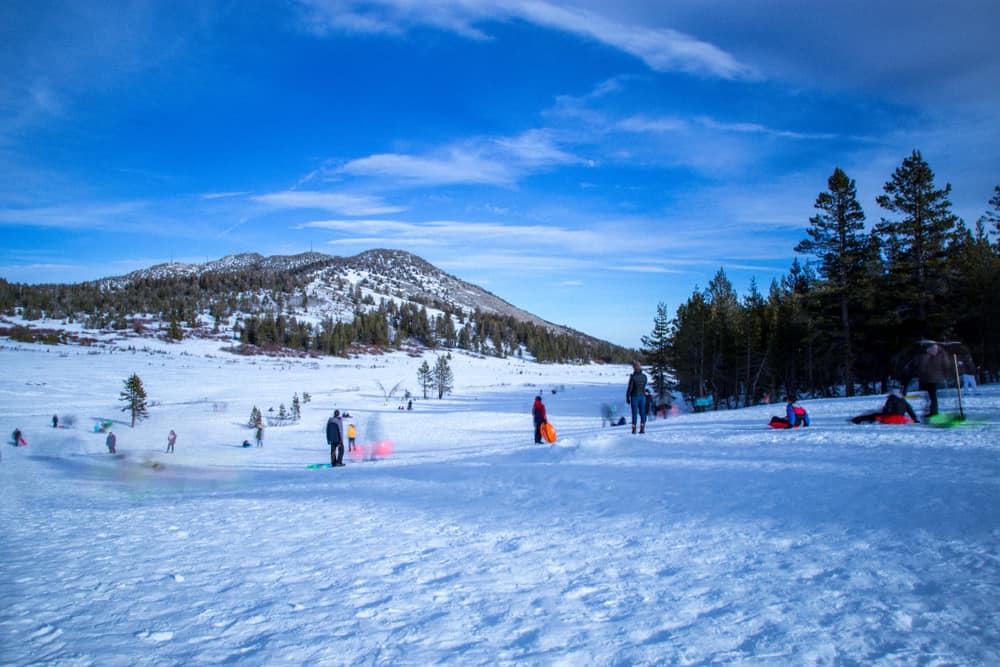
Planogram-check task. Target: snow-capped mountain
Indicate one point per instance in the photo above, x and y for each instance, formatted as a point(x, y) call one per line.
point(326, 286)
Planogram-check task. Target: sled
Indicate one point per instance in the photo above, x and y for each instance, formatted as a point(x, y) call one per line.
point(778, 422)
point(548, 432)
point(893, 419)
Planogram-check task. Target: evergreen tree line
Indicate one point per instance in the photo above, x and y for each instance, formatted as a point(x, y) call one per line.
point(267, 295)
point(841, 322)
point(392, 325)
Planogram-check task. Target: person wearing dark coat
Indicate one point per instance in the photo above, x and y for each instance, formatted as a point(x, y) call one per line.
point(894, 408)
point(335, 438)
point(933, 367)
point(635, 395)
point(539, 417)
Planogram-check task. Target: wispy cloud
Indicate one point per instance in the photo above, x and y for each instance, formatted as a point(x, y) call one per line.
point(345, 204)
point(661, 49)
point(79, 216)
point(500, 161)
point(452, 167)
point(642, 124)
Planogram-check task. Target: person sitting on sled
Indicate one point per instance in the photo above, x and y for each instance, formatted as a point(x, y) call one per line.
point(895, 410)
point(795, 415)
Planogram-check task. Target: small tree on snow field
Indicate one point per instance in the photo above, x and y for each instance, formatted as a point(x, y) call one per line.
point(425, 377)
point(255, 417)
point(443, 377)
point(391, 392)
point(134, 397)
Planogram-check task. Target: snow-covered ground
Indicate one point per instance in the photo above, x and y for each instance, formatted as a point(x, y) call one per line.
point(710, 539)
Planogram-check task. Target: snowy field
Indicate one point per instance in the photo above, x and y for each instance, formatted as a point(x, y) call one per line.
point(711, 539)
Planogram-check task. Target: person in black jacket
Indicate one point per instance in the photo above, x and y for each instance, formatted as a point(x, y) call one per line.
point(635, 395)
point(335, 438)
point(895, 406)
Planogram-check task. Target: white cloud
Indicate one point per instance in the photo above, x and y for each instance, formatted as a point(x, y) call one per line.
point(345, 204)
point(499, 161)
point(453, 167)
point(662, 49)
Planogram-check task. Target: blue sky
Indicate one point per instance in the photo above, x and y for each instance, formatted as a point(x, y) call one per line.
point(584, 161)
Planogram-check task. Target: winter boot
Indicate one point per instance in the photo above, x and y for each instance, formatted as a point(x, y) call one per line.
point(642, 428)
point(633, 428)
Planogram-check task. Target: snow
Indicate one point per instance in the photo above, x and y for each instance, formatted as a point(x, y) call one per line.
point(710, 539)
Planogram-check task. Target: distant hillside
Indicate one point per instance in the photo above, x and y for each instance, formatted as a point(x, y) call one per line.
point(313, 302)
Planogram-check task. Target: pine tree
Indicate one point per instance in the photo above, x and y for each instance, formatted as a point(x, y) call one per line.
point(425, 377)
point(296, 407)
point(837, 240)
point(917, 244)
point(255, 417)
point(657, 351)
point(443, 377)
point(991, 219)
point(134, 397)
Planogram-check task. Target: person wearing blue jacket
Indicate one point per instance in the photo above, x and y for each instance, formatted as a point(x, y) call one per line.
point(796, 414)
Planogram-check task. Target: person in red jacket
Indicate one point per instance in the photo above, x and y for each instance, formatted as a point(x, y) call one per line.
point(538, 415)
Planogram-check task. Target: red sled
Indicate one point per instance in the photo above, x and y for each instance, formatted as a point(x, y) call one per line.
point(778, 422)
point(893, 419)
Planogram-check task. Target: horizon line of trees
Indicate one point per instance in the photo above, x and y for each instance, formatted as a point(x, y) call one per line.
point(840, 323)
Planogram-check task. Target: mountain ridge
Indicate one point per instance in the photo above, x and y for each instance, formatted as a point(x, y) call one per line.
point(380, 297)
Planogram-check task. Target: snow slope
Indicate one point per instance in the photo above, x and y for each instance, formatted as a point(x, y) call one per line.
point(710, 539)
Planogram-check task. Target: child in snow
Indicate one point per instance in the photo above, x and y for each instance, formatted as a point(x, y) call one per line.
point(795, 415)
point(111, 442)
point(351, 434)
point(171, 439)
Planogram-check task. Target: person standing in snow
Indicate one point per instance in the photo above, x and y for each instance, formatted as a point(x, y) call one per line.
point(55, 421)
point(933, 367)
point(111, 441)
point(635, 395)
point(539, 417)
point(171, 439)
point(259, 435)
point(352, 434)
point(335, 438)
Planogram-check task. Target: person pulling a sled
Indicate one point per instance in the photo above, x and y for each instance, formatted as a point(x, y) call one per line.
point(635, 395)
point(895, 410)
point(335, 438)
point(538, 417)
